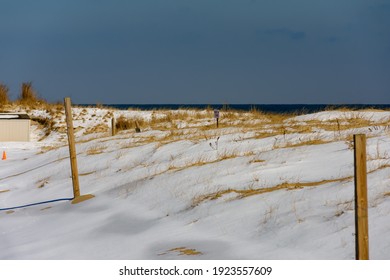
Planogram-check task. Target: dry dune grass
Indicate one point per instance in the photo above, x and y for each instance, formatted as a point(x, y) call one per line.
point(48, 148)
point(87, 173)
point(186, 251)
point(349, 120)
point(97, 129)
point(4, 98)
point(123, 123)
point(44, 123)
point(201, 160)
point(311, 139)
point(160, 120)
point(183, 251)
point(340, 124)
point(243, 193)
point(200, 119)
point(314, 141)
point(96, 149)
point(251, 191)
point(200, 125)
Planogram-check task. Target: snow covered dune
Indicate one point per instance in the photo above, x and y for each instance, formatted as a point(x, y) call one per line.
point(258, 187)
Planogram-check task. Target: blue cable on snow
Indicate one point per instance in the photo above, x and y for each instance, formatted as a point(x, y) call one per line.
point(37, 203)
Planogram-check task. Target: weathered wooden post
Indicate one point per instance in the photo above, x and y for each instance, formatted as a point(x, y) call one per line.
point(113, 127)
point(361, 205)
point(72, 151)
point(72, 147)
point(137, 128)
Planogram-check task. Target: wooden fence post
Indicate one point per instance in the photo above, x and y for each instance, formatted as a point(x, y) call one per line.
point(137, 128)
point(361, 205)
point(113, 127)
point(72, 148)
point(72, 151)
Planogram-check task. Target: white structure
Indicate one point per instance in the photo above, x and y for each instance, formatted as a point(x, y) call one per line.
point(14, 127)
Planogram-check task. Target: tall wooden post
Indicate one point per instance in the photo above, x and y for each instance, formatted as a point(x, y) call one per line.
point(72, 148)
point(113, 127)
point(361, 205)
point(73, 159)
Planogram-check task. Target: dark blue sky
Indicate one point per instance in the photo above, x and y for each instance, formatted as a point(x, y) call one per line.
point(198, 51)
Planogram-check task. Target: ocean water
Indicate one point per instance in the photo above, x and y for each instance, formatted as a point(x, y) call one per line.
point(271, 108)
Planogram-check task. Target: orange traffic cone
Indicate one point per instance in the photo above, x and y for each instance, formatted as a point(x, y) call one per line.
point(4, 155)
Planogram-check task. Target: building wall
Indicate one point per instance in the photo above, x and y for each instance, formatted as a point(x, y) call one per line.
point(14, 130)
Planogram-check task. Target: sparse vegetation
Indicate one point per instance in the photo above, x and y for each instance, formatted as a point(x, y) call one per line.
point(99, 128)
point(87, 173)
point(4, 99)
point(28, 96)
point(42, 183)
point(123, 123)
point(343, 207)
point(96, 149)
point(46, 123)
point(183, 251)
point(243, 193)
point(269, 214)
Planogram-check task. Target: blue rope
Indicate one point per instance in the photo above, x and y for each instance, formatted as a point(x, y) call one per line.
point(37, 203)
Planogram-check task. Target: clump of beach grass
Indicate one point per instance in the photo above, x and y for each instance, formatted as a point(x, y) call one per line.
point(96, 149)
point(4, 99)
